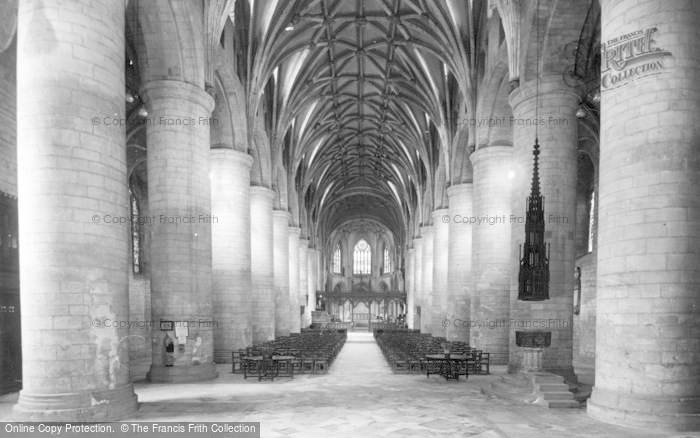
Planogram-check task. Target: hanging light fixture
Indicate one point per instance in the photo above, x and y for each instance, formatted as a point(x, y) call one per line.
point(130, 97)
point(581, 113)
point(142, 111)
point(533, 276)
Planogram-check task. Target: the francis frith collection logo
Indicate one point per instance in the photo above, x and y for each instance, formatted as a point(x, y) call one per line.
point(630, 56)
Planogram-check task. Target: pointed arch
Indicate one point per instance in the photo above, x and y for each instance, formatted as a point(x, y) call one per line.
point(260, 172)
point(172, 46)
point(234, 113)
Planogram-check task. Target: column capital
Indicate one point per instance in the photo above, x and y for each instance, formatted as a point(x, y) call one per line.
point(154, 92)
point(548, 85)
point(282, 215)
point(294, 232)
point(222, 154)
point(481, 155)
point(426, 229)
point(438, 216)
point(303, 241)
point(262, 192)
point(460, 190)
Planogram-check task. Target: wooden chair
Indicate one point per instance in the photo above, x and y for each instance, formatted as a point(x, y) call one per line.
point(400, 365)
point(483, 362)
point(307, 364)
point(414, 365)
point(236, 362)
point(320, 363)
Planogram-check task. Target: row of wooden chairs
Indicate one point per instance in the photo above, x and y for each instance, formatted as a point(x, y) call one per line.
point(407, 351)
point(312, 352)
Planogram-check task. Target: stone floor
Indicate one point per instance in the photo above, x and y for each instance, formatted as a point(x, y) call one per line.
point(361, 397)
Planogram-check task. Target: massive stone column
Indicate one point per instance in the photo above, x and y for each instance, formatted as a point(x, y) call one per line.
point(491, 246)
point(410, 287)
point(320, 267)
point(648, 305)
point(262, 264)
point(294, 302)
point(179, 193)
point(280, 231)
point(417, 282)
point(427, 279)
point(558, 138)
point(305, 317)
point(312, 282)
point(441, 236)
point(459, 274)
point(230, 231)
point(74, 255)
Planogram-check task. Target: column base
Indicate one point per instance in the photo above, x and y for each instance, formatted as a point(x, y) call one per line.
point(262, 335)
point(223, 356)
point(182, 374)
point(655, 414)
point(566, 372)
point(91, 406)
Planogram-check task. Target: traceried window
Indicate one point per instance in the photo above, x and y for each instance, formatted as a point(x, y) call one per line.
point(135, 233)
point(337, 260)
point(591, 222)
point(362, 258)
point(387, 261)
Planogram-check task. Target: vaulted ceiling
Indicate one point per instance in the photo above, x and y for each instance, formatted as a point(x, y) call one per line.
point(366, 134)
point(360, 85)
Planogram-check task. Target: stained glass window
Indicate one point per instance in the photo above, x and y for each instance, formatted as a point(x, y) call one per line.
point(591, 222)
point(362, 258)
point(135, 233)
point(387, 261)
point(337, 260)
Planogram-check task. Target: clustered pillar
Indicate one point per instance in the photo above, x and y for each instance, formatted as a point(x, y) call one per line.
point(262, 264)
point(71, 172)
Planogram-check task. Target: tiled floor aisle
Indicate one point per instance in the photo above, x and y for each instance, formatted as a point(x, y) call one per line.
point(360, 397)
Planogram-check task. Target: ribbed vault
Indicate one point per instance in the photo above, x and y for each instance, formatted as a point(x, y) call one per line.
point(360, 88)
